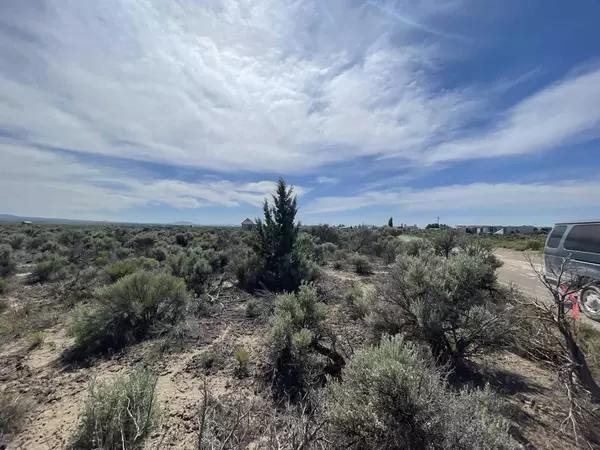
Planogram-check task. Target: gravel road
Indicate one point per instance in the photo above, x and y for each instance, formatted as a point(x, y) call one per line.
point(518, 271)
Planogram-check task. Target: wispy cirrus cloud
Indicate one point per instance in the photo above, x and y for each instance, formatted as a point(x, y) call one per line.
point(509, 197)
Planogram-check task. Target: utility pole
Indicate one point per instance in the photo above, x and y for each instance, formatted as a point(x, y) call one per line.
point(438, 221)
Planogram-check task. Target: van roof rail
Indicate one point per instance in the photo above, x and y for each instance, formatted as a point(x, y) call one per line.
point(577, 222)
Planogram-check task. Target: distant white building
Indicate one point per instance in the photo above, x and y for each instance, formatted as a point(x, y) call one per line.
point(248, 224)
point(523, 229)
point(26, 222)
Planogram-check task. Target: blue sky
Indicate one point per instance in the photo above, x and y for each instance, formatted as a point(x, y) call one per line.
point(161, 111)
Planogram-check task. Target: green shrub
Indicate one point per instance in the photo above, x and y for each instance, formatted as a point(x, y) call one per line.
point(143, 242)
point(445, 241)
point(394, 397)
point(36, 241)
point(193, 267)
point(160, 254)
point(296, 325)
point(415, 247)
point(386, 247)
point(361, 264)
point(199, 274)
point(452, 304)
point(35, 340)
point(480, 248)
point(325, 234)
point(242, 356)
point(252, 308)
point(358, 301)
point(247, 270)
point(118, 415)
point(12, 412)
point(125, 267)
point(3, 286)
point(49, 269)
point(137, 306)
point(310, 249)
point(588, 338)
point(102, 258)
point(181, 239)
point(17, 240)
point(7, 265)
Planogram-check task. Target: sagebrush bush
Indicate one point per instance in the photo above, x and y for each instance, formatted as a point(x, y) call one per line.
point(12, 412)
point(127, 266)
point(309, 247)
point(118, 415)
point(386, 247)
point(252, 308)
point(445, 241)
point(325, 233)
point(17, 241)
point(480, 248)
point(247, 269)
point(361, 265)
point(3, 287)
point(7, 264)
point(394, 397)
point(452, 304)
point(50, 268)
point(193, 267)
point(143, 242)
point(182, 239)
point(137, 306)
point(198, 275)
point(295, 327)
point(415, 247)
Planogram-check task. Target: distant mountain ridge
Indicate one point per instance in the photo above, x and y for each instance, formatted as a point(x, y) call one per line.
point(11, 218)
point(183, 222)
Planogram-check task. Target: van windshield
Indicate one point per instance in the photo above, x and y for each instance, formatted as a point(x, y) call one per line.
point(556, 236)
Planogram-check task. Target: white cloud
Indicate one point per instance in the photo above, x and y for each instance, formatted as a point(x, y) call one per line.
point(327, 180)
point(264, 86)
point(36, 182)
point(505, 197)
point(564, 113)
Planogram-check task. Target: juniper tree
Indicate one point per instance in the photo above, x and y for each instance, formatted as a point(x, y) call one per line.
point(276, 241)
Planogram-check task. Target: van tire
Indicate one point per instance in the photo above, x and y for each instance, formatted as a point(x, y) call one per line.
point(592, 314)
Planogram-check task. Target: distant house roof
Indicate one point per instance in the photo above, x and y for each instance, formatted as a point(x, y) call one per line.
point(247, 222)
point(26, 222)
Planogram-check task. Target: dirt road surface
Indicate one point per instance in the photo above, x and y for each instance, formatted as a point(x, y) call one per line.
point(518, 271)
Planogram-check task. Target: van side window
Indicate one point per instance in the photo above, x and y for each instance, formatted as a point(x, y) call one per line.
point(556, 236)
point(584, 238)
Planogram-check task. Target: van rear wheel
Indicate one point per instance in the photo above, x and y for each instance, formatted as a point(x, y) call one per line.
point(589, 299)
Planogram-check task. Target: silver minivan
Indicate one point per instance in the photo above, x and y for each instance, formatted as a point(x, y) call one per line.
point(575, 247)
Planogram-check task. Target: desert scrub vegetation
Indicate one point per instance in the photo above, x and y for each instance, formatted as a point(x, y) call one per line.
point(361, 265)
point(127, 266)
point(301, 347)
point(137, 306)
point(7, 264)
point(12, 412)
point(118, 415)
point(452, 304)
point(393, 396)
point(50, 268)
